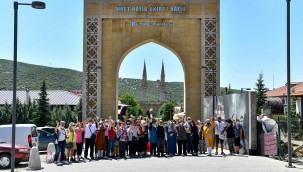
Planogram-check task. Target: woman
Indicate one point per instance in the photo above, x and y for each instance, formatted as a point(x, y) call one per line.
point(202, 147)
point(100, 140)
point(70, 142)
point(195, 137)
point(171, 139)
point(208, 135)
point(116, 149)
point(141, 145)
point(111, 137)
point(79, 140)
point(122, 137)
point(152, 135)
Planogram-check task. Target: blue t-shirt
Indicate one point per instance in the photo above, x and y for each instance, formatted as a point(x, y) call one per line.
point(237, 129)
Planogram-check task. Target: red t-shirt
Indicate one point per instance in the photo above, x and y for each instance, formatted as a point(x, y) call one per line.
point(111, 134)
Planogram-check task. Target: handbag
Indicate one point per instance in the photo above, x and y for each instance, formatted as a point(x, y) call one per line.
point(93, 136)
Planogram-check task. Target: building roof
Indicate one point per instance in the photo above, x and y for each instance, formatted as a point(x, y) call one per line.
point(297, 87)
point(56, 97)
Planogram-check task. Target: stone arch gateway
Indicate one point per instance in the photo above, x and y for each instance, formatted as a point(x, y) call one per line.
point(112, 28)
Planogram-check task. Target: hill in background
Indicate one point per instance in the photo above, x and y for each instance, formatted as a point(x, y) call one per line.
point(31, 76)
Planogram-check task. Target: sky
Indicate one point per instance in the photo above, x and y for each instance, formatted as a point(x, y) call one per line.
point(253, 40)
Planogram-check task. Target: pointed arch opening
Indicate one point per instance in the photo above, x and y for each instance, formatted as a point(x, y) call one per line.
point(153, 73)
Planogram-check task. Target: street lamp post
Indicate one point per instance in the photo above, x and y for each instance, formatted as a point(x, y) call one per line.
point(288, 87)
point(36, 5)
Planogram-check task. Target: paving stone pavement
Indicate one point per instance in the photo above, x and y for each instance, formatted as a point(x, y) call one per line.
point(177, 164)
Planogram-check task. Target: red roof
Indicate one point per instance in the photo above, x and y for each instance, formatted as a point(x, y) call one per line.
point(297, 87)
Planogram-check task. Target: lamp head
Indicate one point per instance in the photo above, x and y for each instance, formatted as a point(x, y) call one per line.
point(38, 5)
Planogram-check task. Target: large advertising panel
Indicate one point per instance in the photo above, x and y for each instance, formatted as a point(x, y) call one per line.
point(235, 106)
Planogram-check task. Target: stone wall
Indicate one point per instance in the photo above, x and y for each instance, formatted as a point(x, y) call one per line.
point(113, 28)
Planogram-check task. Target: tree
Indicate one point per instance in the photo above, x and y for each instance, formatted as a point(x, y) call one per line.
point(43, 113)
point(70, 116)
point(78, 109)
point(32, 112)
point(134, 108)
point(6, 114)
point(260, 93)
point(166, 109)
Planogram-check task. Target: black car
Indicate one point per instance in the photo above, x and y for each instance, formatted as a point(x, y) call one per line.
point(44, 139)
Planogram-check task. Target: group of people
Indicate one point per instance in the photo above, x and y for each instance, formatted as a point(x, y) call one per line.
point(145, 136)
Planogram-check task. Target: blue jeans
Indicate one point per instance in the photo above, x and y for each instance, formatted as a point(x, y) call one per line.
point(60, 147)
point(57, 148)
point(111, 145)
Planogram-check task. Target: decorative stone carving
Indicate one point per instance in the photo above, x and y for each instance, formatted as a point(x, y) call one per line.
point(210, 51)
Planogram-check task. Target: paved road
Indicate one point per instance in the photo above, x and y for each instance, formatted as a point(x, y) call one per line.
point(176, 164)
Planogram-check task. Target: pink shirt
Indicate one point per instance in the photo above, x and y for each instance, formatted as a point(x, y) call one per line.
point(79, 136)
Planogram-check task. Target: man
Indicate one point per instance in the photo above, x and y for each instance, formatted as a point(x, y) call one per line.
point(106, 137)
point(189, 143)
point(132, 133)
point(90, 130)
point(238, 130)
point(202, 147)
point(160, 137)
point(60, 130)
point(208, 135)
point(230, 135)
point(219, 135)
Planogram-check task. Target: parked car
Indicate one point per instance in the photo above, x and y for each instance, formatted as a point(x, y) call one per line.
point(47, 129)
point(21, 154)
point(44, 139)
point(26, 134)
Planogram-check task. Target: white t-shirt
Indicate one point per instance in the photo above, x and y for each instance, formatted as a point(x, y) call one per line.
point(219, 127)
point(89, 130)
point(62, 134)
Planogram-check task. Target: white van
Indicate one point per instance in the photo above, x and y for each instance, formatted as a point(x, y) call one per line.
point(26, 134)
